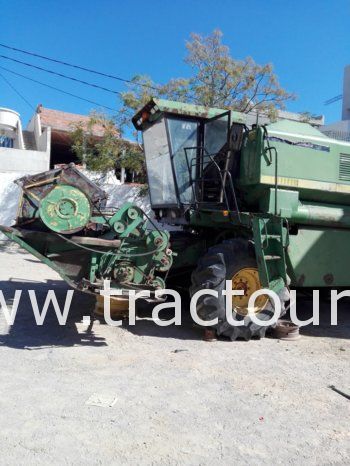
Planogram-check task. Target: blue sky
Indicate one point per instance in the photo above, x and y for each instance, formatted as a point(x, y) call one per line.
point(307, 41)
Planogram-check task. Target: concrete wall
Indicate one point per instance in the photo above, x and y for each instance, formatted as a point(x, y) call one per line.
point(28, 161)
point(43, 142)
point(10, 125)
point(42, 137)
point(34, 125)
point(20, 159)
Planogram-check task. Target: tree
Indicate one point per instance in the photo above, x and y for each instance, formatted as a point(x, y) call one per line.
point(222, 81)
point(218, 80)
point(98, 145)
point(142, 89)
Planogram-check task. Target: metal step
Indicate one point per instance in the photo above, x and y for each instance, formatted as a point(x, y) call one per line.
point(270, 254)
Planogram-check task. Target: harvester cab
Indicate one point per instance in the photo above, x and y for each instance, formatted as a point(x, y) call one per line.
point(190, 156)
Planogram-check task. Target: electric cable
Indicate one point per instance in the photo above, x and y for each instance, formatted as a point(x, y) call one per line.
point(61, 75)
point(57, 89)
point(79, 67)
point(17, 92)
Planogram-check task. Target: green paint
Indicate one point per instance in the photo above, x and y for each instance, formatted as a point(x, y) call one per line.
point(65, 209)
point(307, 161)
point(156, 107)
point(319, 257)
point(291, 176)
point(270, 241)
point(292, 190)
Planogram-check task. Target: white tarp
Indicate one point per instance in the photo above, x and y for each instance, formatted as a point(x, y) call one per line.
point(9, 198)
point(119, 193)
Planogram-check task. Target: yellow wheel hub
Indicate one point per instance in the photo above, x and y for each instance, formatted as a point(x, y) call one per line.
point(247, 279)
point(119, 306)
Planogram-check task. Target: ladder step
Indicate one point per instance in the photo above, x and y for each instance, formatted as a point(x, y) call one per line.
point(273, 236)
point(272, 258)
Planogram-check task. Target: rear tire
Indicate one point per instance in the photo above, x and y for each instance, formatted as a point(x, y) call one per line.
point(219, 264)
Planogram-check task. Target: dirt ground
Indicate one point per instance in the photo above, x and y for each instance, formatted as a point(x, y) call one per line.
point(161, 395)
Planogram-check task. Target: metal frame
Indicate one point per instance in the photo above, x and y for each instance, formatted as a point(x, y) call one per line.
point(224, 174)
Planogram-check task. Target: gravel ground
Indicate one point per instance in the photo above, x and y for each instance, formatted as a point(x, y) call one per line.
point(163, 396)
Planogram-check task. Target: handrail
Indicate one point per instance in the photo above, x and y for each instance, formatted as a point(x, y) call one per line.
point(270, 149)
point(224, 175)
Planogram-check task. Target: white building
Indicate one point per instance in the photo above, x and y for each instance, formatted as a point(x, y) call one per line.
point(22, 151)
point(341, 129)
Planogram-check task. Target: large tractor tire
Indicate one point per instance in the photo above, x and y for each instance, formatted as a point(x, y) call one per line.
point(233, 260)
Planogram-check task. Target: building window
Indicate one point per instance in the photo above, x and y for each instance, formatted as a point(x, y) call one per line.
point(6, 142)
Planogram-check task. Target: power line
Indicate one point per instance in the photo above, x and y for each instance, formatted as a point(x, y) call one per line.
point(57, 89)
point(62, 75)
point(17, 92)
point(89, 70)
point(333, 99)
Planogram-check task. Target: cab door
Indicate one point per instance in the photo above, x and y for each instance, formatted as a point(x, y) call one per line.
point(213, 161)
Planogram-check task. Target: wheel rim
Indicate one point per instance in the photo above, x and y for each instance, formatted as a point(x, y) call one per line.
point(247, 279)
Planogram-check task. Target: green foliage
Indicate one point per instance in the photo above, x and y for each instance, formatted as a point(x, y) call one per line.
point(98, 145)
point(222, 81)
point(144, 189)
point(218, 80)
point(133, 160)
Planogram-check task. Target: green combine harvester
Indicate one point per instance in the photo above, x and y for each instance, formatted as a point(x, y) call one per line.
point(266, 207)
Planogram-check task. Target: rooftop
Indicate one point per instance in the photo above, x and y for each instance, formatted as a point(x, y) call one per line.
point(64, 121)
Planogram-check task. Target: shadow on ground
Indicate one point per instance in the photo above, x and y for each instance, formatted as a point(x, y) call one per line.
point(325, 329)
point(26, 334)
point(147, 327)
point(11, 248)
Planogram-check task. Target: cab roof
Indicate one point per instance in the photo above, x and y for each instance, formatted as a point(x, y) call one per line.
point(155, 107)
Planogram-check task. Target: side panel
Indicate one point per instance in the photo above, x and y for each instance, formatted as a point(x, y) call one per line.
point(316, 166)
point(319, 257)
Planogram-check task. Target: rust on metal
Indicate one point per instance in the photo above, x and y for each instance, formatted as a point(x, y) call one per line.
point(286, 330)
point(155, 107)
point(91, 241)
point(328, 278)
point(209, 335)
